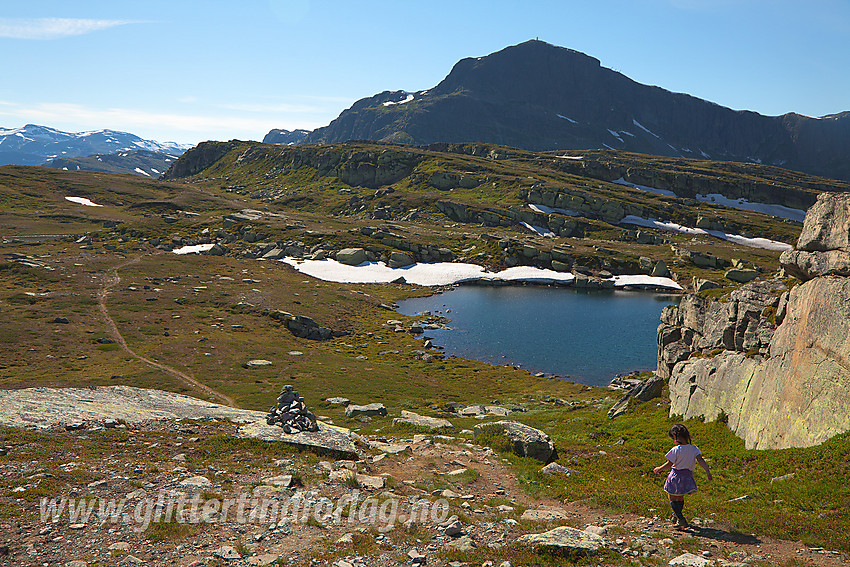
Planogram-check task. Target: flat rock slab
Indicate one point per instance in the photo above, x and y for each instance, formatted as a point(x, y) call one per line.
point(58, 407)
point(329, 439)
point(564, 540)
point(62, 407)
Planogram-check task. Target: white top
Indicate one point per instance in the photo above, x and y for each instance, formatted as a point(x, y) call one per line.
point(683, 456)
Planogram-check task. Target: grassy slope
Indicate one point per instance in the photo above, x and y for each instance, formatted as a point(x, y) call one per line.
point(219, 324)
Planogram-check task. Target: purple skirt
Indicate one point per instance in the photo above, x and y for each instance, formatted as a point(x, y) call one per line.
point(680, 482)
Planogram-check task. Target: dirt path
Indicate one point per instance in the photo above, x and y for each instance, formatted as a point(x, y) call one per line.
point(110, 281)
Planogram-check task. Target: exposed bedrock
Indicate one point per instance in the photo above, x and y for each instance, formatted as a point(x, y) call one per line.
point(774, 363)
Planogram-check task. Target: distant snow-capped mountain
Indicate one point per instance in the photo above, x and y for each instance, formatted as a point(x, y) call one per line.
point(35, 145)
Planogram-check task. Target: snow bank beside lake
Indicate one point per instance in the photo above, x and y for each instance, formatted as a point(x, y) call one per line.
point(447, 273)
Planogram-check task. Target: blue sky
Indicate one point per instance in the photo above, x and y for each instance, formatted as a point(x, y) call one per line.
point(193, 70)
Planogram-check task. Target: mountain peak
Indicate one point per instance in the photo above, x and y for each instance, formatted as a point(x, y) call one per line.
point(34, 144)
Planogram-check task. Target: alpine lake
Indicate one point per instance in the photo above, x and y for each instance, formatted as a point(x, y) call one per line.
point(587, 337)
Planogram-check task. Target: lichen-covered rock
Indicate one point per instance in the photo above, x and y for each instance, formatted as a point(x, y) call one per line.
point(772, 362)
point(564, 541)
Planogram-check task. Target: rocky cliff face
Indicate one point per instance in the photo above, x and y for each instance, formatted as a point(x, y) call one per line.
point(773, 362)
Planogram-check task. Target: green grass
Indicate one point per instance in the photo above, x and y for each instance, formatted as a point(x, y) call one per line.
point(223, 319)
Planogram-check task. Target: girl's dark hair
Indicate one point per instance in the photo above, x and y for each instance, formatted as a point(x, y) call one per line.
point(680, 433)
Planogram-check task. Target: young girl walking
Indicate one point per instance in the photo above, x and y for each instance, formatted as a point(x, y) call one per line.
point(681, 458)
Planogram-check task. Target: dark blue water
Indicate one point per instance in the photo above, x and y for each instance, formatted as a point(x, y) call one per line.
point(586, 337)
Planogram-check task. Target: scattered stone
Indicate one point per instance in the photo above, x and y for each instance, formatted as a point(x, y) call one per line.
point(741, 275)
point(368, 410)
point(351, 256)
point(227, 552)
point(338, 401)
point(285, 480)
point(196, 482)
point(257, 363)
point(701, 285)
point(77, 563)
point(119, 546)
point(463, 544)
point(788, 476)
point(457, 472)
point(262, 560)
point(454, 528)
point(691, 560)
point(370, 482)
point(416, 558)
point(346, 538)
point(544, 513)
point(598, 530)
point(645, 391)
point(555, 469)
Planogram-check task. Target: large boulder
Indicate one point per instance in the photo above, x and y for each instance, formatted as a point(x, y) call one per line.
point(524, 440)
point(351, 256)
point(823, 247)
point(399, 260)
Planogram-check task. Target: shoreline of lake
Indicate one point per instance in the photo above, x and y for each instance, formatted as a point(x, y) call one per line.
point(587, 337)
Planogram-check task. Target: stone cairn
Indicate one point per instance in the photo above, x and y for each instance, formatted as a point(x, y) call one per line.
point(291, 413)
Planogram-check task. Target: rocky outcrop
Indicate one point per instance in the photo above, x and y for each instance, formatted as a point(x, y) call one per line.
point(772, 363)
point(824, 244)
point(699, 326)
point(305, 327)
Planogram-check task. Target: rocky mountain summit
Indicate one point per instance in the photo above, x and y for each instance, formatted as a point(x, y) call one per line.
point(539, 96)
point(769, 359)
